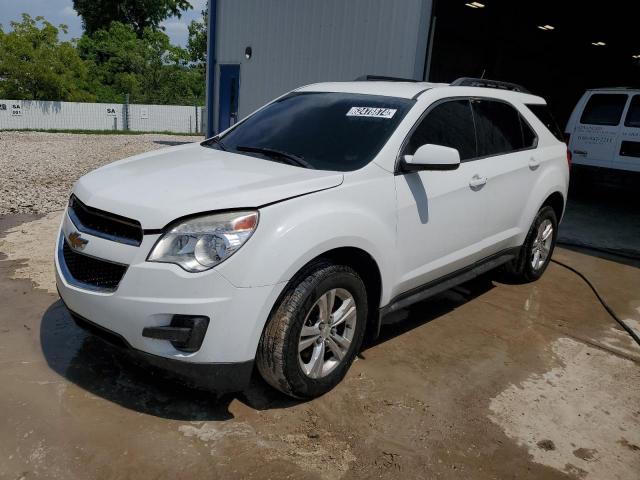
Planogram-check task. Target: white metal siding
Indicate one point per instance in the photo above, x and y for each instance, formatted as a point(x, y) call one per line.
point(297, 42)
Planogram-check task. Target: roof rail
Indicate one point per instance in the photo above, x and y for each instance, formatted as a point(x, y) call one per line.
point(485, 83)
point(369, 78)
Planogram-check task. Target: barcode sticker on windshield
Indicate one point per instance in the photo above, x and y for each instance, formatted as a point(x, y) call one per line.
point(371, 112)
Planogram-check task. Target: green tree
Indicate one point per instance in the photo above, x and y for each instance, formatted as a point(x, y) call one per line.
point(140, 14)
point(149, 68)
point(35, 65)
point(197, 43)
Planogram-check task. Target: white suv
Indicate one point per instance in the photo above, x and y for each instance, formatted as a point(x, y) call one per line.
point(284, 240)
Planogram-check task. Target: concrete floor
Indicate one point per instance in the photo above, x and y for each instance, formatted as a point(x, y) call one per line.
point(487, 381)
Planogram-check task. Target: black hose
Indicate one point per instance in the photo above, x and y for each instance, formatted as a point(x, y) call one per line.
point(606, 306)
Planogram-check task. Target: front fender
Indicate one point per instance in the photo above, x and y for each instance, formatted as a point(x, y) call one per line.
point(292, 233)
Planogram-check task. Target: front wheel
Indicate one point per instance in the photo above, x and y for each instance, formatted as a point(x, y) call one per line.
point(315, 332)
point(535, 254)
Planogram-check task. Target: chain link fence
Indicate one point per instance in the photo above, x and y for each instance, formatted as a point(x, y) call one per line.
point(43, 115)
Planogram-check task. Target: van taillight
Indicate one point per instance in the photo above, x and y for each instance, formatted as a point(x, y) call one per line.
point(569, 157)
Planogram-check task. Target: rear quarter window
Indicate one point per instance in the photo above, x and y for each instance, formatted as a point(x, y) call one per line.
point(604, 109)
point(544, 115)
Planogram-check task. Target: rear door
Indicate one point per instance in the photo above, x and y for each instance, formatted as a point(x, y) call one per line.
point(510, 162)
point(595, 138)
point(627, 155)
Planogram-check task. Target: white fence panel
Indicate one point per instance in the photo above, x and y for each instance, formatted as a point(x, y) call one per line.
point(44, 115)
point(160, 118)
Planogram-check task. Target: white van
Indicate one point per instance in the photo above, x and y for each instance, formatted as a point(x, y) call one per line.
point(604, 129)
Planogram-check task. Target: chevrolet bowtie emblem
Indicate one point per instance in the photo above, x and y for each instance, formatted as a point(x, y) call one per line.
point(76, 241)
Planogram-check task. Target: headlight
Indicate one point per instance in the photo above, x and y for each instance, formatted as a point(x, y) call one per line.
point(201, 243)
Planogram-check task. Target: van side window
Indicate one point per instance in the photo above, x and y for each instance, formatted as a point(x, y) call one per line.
point(604, 109)
point(449, 124)
point(500, 128)
point(633, 115)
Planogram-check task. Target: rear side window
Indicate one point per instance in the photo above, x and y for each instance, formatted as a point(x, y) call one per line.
point(604, 109)
point(500, 128)
point(633, 115)
point(544, 115)
point(449, 124)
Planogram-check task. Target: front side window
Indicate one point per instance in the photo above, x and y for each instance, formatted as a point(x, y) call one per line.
point(449, 124)
point(500, 128)
point(633, 115)
point(604, 109)
point(320, 130)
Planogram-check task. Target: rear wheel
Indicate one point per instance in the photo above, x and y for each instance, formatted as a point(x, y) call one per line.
point(535, 254)
point(314, 334)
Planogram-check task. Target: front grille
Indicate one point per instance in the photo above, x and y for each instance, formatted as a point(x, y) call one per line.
point(86, 271)
point(104, 224)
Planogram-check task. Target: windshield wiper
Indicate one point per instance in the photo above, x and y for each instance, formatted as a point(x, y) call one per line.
point(215, 140)
point(291, 158)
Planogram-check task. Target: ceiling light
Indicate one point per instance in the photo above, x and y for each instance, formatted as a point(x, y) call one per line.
point(636, 56)
point(546, 27)
point(598, 44)
point(475, 5)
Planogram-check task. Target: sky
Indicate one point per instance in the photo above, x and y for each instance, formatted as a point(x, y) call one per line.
point(61, 11)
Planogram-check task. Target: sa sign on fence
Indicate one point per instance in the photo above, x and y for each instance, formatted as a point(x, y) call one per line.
point(16, 110)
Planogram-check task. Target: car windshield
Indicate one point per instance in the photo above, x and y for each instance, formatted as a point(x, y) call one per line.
point(323, 130)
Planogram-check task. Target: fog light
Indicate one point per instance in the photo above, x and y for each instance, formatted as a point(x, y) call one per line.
point(186, 332)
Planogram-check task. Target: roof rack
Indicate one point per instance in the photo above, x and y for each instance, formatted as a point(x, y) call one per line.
point(369, 78)
point(485, 83)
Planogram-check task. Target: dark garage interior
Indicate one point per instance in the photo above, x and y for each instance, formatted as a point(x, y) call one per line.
point(554, 49)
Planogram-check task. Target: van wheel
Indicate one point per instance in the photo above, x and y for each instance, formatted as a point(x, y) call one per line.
point(535, 254)
point(315, 331)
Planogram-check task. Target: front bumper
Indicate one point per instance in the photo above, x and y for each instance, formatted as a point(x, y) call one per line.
point(217, 377)
point(150, 294)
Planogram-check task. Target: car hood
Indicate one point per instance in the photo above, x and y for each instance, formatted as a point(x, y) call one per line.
point(155, 188)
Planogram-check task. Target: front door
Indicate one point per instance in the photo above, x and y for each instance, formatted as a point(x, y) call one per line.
point(441, 213)
point(228, 96)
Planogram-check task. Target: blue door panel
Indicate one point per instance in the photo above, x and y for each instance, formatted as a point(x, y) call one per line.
point(229, 90)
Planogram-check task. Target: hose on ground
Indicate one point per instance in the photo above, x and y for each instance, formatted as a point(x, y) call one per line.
point(602, 301)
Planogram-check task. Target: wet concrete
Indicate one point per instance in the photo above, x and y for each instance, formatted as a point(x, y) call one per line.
point(489, 380)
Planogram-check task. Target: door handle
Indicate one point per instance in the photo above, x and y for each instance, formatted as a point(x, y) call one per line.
point(580, 152)
point(534, 163)
point(477, 181)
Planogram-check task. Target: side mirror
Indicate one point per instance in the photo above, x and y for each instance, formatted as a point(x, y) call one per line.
point(431, 157)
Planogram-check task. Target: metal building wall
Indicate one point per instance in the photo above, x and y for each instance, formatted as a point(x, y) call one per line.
point(297, 42)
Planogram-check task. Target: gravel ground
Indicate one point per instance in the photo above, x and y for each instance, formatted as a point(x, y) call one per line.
point(37, 169)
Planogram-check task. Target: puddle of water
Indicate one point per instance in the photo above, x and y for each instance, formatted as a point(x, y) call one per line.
point(579, 417)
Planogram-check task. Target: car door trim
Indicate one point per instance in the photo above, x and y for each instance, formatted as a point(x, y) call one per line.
point(448, 281)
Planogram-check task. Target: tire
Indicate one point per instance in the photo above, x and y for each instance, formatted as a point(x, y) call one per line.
point(522, 269)
point(281, 359)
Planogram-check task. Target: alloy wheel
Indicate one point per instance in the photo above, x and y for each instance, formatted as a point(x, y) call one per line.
point(542, 244)
point(327, 333)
